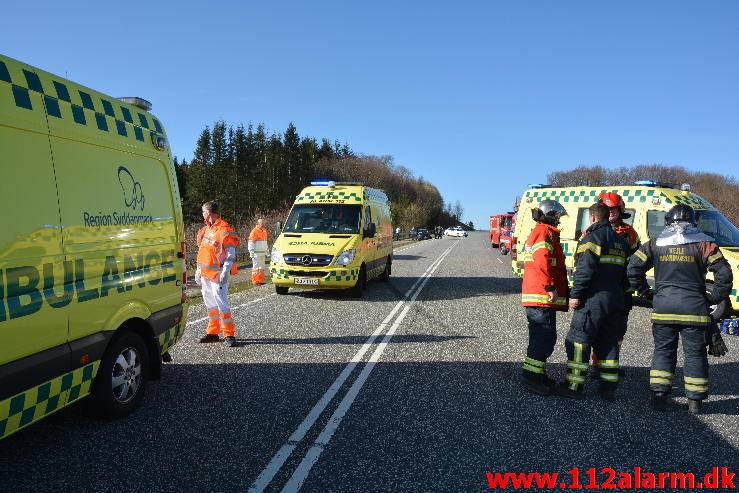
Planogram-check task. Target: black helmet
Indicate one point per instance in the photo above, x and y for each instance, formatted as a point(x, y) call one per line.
point(548, 211)
point(680, 213)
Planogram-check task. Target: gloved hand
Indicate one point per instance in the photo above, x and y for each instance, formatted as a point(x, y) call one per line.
point(198, 277)
point(716, 346)
point(223, 278)
point(252, 253)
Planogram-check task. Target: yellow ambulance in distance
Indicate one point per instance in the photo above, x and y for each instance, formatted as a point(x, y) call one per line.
point(337, 236)
point(91, 248)
point(647, 201)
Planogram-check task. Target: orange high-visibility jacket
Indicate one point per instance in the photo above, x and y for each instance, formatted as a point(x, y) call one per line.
point(544, 267)
point(258, 240)
point(213, 241)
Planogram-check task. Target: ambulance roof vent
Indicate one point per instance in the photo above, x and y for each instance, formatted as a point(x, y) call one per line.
point(138, 102)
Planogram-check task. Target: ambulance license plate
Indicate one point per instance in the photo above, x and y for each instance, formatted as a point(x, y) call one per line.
point(306, 282)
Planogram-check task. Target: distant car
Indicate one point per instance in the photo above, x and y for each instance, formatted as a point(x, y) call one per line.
point(456, 231)
point(421, 234)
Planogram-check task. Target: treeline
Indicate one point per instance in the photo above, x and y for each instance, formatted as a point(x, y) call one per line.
point(251, 172)
point(719, 190)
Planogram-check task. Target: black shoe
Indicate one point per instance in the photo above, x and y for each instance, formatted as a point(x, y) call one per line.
point(537, 387)
point(230, 341)
point(595, 373)
point(549, 382)
point(607, 394)
point(209, 338)
point(659, 401)
point(563, 390)
point(695, 406)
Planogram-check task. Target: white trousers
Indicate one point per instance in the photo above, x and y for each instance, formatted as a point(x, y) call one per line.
point(215, 295)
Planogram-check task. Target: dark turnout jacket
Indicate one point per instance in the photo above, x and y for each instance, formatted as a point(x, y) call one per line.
point(600, 276)
point(680, 295)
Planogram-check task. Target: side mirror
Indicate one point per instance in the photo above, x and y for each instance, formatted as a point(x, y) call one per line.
point(370, 231)
point(278, 228)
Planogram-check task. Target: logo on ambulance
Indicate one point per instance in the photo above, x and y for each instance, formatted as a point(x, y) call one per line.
point(133, 195)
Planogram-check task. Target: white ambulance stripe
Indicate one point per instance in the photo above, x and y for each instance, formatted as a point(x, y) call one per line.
point(301, 472)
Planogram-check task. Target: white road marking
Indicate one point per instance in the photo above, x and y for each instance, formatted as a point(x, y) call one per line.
point(279, 459)
point(232, 308)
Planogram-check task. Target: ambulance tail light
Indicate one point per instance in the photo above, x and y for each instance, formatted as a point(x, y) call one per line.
point(183, 250)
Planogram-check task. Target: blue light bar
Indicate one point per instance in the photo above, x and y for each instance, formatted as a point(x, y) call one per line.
point(323, 183)
point(646, 183)
point(535, 185)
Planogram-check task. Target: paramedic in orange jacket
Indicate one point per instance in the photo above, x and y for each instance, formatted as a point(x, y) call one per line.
point(258, 251)
point(217, 244)
point(543, 293)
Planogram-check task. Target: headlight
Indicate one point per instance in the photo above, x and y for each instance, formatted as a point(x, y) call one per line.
point(345, 258)
point(276, 256)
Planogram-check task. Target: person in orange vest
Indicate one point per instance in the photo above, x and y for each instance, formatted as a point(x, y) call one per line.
point(616, 215)
point(217, 244)
point(258, 251)
point(543, 294)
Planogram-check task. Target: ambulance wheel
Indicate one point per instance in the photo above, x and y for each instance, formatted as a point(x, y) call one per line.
point(385, 276)
point(122, 376)
point(361, 284)
point(281, 289)
point(503, 250)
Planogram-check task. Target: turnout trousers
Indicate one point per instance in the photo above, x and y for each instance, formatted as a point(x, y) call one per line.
point(215, 297)
point(542, 337)
point(593, 330)
point(695, 372)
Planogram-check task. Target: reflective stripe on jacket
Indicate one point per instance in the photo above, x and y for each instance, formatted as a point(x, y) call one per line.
point(544, 267)
point(213, 244)
point(680, 280)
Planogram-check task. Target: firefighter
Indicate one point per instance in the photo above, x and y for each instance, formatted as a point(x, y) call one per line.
point(681, 255)
point(257, 251)
point(616, 215)
point(597, 296)
point(217, 244)
point(543, 293)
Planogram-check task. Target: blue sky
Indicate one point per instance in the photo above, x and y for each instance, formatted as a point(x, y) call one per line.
point(478, 97)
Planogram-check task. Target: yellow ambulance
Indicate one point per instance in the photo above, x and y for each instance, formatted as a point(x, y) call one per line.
point(91, 248)
point(646, 201)
point(337, 236)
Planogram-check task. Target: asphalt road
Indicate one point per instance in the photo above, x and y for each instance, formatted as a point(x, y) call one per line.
point(414, 387)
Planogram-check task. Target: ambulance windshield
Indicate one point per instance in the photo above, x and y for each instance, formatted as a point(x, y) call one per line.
point(717, 226)
point(323, 218)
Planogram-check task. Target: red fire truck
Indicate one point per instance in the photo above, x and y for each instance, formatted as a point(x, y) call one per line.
point(501, 227)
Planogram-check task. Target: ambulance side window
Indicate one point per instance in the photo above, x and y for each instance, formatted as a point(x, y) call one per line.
point(630, 220)
point(583, 221)
point(655, 224)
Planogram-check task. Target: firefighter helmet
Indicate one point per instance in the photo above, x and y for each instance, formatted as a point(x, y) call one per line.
point(680, 213)
point(612, 199)
point(548, 211)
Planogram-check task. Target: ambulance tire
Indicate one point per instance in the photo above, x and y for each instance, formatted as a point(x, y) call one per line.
point(281, 289)
point(356, 291)
point(503, 250)
point(121, 380)
point(385, 276)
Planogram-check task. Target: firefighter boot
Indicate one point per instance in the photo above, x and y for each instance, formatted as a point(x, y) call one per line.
point(535, 386)
point(695, 406)
point(659, 401)
point(564, 390)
